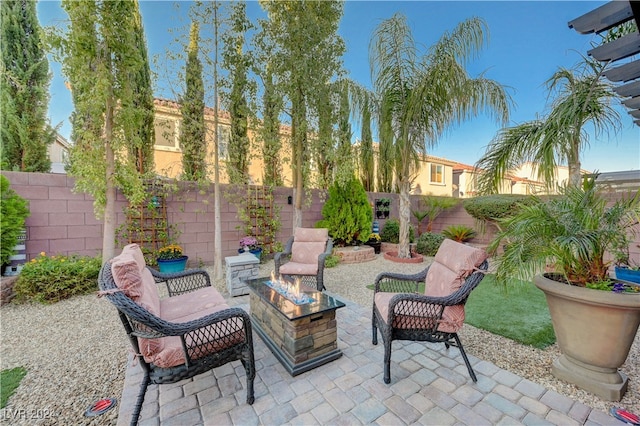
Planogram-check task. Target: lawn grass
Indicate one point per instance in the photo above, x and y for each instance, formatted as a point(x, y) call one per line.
point(519, 313)
point(9, 381)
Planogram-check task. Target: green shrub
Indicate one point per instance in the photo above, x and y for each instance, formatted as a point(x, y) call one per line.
point(331, 261)
point(347, 213)
point(51, 279)
point(15, 210)
point(429, 243)
point(459, 233)
point(492, 207)
point(390, 232)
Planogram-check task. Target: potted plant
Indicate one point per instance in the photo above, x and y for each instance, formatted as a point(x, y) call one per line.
point(250, 244)
point(171, 259)
point(595, 318)
point(375, 242)
point(626, 269)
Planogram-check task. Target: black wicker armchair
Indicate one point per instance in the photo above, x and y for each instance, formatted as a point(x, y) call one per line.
point(401, 313)
point(304, 256)
point(199, 341)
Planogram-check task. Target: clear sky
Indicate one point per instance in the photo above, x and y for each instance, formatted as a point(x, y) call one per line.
point(528, 42)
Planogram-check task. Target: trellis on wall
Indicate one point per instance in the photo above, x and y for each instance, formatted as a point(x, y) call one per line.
point(147, 224)
point(260, 216)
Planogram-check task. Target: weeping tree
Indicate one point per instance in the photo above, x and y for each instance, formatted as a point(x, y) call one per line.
point(99, 55)
point(580, 97)
point(422, 95)
point(324, 150)
point(306, 55)
point(24, 89)
point(192, 134)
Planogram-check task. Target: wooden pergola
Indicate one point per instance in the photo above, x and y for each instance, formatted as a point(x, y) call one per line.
point(626, 73)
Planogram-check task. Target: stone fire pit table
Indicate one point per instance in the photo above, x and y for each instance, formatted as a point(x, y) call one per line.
point(301, 336)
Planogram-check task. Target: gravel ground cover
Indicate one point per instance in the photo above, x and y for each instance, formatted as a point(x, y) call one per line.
point(75, 352)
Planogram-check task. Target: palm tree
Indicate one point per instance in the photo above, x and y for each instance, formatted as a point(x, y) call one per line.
point(581, 97)
point(422, 95)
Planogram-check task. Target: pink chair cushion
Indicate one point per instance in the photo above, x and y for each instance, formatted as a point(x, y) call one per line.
point(126, 275)
point(175, 308)
point(172, 352)
point(295, 268)
point(138, 284)
point(311, 235)
point(136, 252)
point(307, 252)
point(404, 317)
point(453, 263)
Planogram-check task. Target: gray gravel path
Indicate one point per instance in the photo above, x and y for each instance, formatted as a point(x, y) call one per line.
point(75, 352)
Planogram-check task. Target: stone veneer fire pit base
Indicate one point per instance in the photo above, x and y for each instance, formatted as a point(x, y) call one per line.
point(300, 345)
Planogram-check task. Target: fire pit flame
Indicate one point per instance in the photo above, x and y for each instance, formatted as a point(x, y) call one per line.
point(289, 290)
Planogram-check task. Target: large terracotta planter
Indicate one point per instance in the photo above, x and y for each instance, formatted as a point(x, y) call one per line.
point(594, 330)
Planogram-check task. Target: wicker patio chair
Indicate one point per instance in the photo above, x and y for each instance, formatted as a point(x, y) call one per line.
point(304, 256)
point(197, 341)
point(401, 313)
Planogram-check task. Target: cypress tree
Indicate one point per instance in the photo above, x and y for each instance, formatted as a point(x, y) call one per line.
point(24, 89)
point(236, 62)
point(143, 137)
point(270, 132)
point(366, 150)
point(192, 136)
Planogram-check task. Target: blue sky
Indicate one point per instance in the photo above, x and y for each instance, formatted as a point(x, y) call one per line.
point(528, 42)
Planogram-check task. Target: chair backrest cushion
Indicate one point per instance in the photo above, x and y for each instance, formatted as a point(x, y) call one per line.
point(311, 235)
point(453, 263)
point(136, 282)
point(308, 244)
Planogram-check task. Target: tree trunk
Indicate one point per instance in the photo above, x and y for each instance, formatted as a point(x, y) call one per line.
point(217, 218)
point(109, 230)
point(405, 220)
point(574, 163)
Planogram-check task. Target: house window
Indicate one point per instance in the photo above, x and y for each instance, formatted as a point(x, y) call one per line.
point(166, 133)
point(436, 174)
point(224, 136)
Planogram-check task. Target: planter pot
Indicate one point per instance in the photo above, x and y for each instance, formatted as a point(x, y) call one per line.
point(594, 330)
point(172, 265)
point(393, 256)
point(376, 246)
point(626, 274)
point(256, 252)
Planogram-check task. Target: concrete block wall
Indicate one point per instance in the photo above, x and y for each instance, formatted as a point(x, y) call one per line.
point(63, 222)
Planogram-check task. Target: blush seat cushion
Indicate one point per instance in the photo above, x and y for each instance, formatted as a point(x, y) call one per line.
point(454, 262)
point(136, 281)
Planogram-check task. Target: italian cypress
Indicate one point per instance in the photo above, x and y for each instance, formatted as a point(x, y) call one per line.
point(24, 89)
point(192, 135)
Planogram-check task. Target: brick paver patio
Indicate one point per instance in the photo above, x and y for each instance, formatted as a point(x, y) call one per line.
point(429, 385)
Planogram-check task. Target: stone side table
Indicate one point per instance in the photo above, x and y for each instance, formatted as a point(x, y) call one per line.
point(240, 269)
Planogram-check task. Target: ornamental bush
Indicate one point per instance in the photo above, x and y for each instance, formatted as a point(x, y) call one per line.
point(391, 232)
point(492, 207)
point(347, 213)
point(429, 243)
point(15, 210)
point(49, 279)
